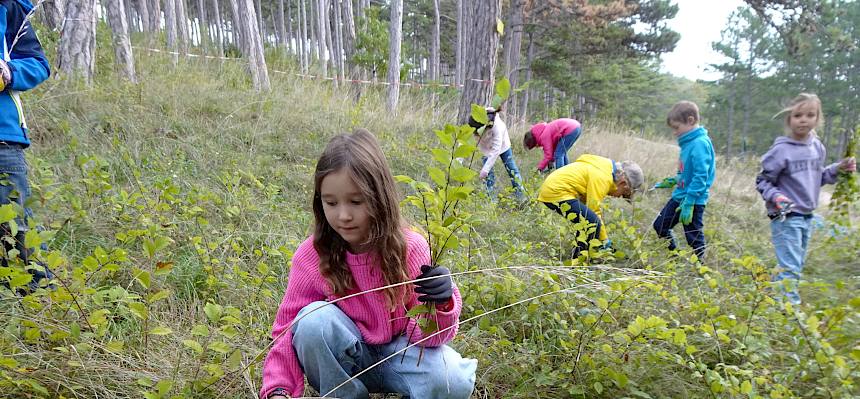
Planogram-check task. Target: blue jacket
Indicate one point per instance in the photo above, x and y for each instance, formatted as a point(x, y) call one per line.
point(696, 167)
point(27, 63)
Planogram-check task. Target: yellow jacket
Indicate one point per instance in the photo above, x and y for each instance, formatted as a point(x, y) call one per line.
point(588, 179)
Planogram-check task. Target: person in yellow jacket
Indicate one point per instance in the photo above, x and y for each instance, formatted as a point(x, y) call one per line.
point(576, 190)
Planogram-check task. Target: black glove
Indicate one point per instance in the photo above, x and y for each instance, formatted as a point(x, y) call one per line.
point(437, 290)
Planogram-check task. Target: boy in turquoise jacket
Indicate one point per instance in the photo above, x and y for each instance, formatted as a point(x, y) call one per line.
point(696, 170)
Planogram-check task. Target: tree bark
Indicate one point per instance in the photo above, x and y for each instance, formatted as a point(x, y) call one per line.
point(322, 23)
point(54, 12)
point(458, 53)
point(219, 27)
point(349, 32)
point(338, 37)
point(252, 43)
point(76, 52)
point(143, 14)
point(479, 57)
point(291, 34)
point(154, 15)
point(121, 42)
point(524, 106)
point(513, 49)
point(182, 26)
point(435, 43)
point(281, 26)
point(303, 35)
point(203, 24)
point(260, 22)
point(395, 30)
point(170, 29)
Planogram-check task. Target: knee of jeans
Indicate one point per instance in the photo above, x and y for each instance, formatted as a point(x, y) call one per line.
point(316, 317)
point(457, 383)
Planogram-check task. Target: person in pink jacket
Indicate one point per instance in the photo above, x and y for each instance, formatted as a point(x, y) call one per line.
point(335, 321)
point(556, 138)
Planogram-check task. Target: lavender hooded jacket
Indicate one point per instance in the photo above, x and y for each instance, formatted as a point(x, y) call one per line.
point(795, 169)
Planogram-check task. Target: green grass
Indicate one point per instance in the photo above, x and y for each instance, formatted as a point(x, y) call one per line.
point(221, 175)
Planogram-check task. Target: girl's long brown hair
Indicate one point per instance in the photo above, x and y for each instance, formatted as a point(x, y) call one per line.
point(360, 155)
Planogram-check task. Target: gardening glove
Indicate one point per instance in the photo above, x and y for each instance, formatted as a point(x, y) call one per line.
point(782, 202)
point(686, 209)
point(668, 182)
point(5, 75)
point(438, 290)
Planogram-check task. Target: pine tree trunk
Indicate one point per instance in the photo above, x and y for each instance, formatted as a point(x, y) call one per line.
point(203, 24)
point(322, 27)
point(54, 13)
point(155, 15)
point(304, 37)
point(731, 116)
point(261, 25)
point(219, 27)
point(338, 36)
point(252, 43)
point(182, 26)
point(128, 10)
point(349, 33)
point(435, 43)
point(479, 58)
point(513, 49)
point(76, 51)
point(291, 34)
point(458, 52)
point(122, 44)
point(524, 105)
point(143, 13)
point(281, 26)
point(170, 29)
point(395, 31)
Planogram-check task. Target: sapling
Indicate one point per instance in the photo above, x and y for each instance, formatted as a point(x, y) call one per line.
point(847, 190)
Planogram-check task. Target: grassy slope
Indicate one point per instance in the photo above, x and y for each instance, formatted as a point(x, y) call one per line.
point(197, 137)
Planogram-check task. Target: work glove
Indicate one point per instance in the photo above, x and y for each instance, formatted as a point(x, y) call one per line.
point(5, 75)
point(686, 210)
point(782, 202)
point(437, 290)
point(668, 182)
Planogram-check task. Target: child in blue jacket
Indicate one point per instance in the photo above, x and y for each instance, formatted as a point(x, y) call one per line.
point(696, 170)
point(22, 67)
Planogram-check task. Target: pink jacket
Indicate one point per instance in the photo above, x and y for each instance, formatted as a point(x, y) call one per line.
point(370, 313)
point(547, 135)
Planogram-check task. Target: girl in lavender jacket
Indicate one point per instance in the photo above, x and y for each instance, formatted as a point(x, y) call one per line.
point(790, 180)
point(495, 143)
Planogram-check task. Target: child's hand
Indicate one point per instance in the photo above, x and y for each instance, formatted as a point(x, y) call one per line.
point(439, 289)
point(686, 209)
point(483, 174)
point(781, 202)
point(848, 165)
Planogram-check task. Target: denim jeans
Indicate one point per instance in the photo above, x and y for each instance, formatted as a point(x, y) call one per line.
point(790, 239)
point(14, 188)
point(693, 232)
point(330, 349)
point(576, 211)
point(507, 158)
point(563, 145)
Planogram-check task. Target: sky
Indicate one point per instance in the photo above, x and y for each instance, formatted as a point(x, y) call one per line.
point(699, 22)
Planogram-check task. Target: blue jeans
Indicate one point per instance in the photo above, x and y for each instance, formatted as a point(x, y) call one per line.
point(331, 349)
point(514, 172)
point(563, 145)
point(693, 232)
point(576, 211)
point(14, 188)
point(790, 240)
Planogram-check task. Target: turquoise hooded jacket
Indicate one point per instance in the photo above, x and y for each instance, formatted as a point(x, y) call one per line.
point(696, 167)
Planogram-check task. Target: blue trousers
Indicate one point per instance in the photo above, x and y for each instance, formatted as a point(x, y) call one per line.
point(575, 211)
point(507, 158)
point(790, 239)
point(15, 189)
point(563, 145)
point(330, 349)
point(693, 232)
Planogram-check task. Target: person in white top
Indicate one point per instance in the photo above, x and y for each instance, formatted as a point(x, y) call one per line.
point(495, 143)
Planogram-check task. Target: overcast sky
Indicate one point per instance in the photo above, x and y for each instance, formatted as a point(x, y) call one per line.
point(699, 22)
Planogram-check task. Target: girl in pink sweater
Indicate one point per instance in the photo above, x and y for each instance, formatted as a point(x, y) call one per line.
point(556, 138)
point(360, 243)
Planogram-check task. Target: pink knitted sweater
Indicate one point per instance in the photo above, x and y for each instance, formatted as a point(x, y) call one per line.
point(370, 313)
